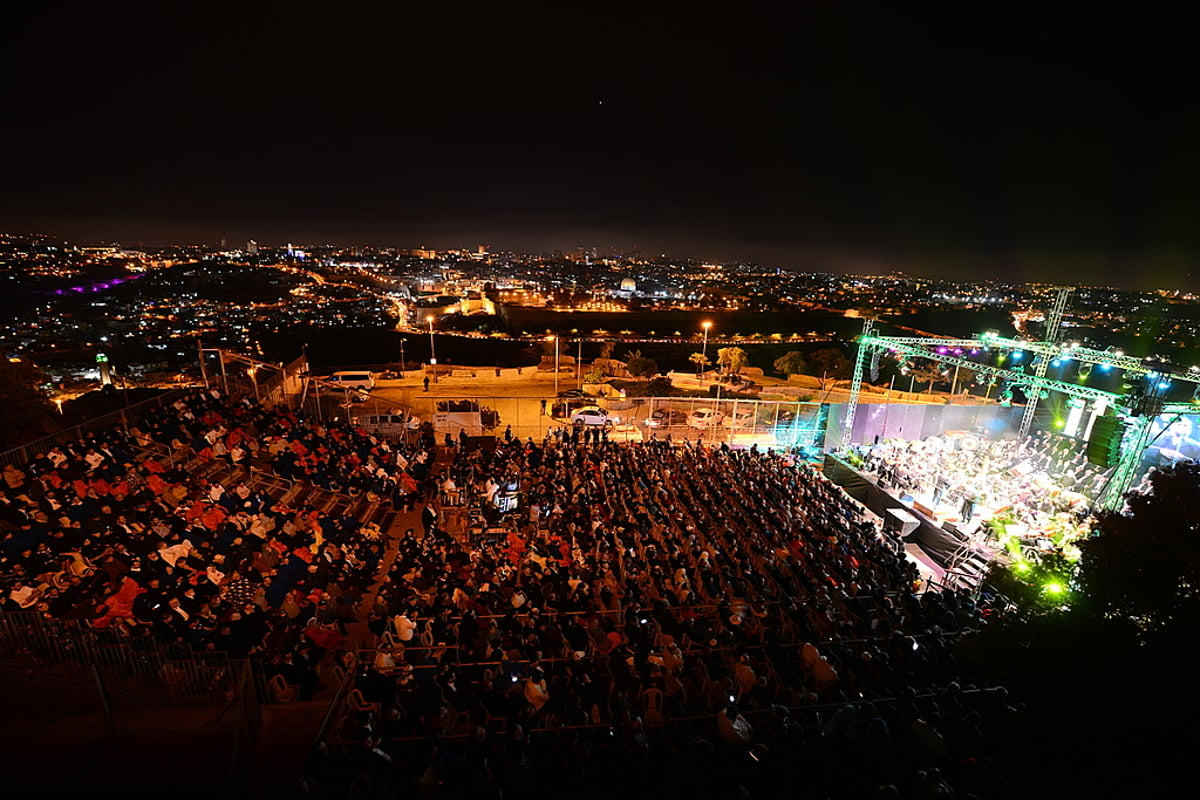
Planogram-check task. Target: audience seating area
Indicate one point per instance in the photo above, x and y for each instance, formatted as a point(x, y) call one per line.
point(639, 618)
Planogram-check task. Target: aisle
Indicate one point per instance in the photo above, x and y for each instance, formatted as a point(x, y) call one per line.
point(358, 637)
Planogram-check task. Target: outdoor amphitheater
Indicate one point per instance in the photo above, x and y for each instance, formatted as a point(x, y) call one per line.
point(319, 609)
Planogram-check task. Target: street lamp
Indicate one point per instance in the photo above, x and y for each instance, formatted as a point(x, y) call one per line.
point(704, 350)
point(432, 356)
point(555, 340)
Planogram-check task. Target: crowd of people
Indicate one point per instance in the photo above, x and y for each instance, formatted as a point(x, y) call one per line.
point(671, 621)
point(119, 531)
point(649, 618)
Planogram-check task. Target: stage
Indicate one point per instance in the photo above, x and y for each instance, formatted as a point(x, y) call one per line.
point(946, 544)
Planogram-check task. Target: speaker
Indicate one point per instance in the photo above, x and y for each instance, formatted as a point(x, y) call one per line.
point(1104, 446)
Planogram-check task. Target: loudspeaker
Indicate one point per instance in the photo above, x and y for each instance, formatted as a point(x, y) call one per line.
point(1104, 446)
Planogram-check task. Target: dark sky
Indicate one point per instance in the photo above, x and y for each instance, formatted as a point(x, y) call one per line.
point(976, 140)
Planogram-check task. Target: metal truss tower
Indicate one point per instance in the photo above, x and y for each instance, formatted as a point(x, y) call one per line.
point(856, 380)
point(1053, 323)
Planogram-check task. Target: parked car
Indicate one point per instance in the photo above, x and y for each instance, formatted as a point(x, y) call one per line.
point(575, 393)
point(739, 419)
point(666, 417)
point(704, 418)
point(786, 416)
point(353, 379)
point(593, 415)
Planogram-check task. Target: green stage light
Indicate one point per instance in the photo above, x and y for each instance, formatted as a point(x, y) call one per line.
point(1054, 588)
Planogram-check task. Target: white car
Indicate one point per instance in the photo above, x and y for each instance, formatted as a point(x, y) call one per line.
point(739, 419)
point(593, 415)
point(705, 418)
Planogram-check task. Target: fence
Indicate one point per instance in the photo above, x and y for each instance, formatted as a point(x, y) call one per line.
point(127, 417)
point(736, 422)
point(130, 693)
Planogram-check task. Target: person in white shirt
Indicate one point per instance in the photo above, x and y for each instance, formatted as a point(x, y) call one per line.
point(537, 694)
point(405, 627)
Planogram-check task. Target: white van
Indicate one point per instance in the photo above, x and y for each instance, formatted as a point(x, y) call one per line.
point(359, 380)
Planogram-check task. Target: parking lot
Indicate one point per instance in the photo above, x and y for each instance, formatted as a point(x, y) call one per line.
point(530, 408)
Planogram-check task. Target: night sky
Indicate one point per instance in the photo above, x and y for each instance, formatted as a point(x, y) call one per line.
point(973, 140)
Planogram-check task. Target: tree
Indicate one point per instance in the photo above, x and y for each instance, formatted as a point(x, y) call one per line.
point(639, 366)
point(700, 360)
point(830, 363)
point(791, 363)
point(1128, 618)
point(1144, 566)
point(928, 373)
point(963, 378)
point(606, 349)
point(28, 412)
point(731, 359)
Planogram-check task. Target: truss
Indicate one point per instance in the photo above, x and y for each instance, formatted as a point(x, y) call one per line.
point(1131, 407)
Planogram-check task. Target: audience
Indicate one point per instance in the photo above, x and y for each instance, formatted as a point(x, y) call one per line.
point(634, 618)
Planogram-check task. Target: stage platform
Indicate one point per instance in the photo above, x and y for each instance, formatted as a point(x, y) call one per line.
point(941, 545)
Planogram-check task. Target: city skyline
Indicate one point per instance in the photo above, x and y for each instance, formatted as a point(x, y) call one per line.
point(1049, 149)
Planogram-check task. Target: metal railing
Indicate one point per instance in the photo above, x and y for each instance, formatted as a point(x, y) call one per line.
point(133, 667)
point(127, 417)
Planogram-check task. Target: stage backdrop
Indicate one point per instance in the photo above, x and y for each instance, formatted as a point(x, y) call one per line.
point(909, 421)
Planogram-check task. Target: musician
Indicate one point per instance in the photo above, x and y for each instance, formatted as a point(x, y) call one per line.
point(1174, 444)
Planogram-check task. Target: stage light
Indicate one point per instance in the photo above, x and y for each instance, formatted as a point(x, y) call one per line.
point(1017, 355)
point(1021, 566)
point(1056, 362)
point(1058, 423)
point(1054, 587)
point(1105, 367)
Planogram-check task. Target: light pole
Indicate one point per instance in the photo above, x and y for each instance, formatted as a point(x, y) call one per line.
point(432, 356)
point(555, 340)
point(704, 350)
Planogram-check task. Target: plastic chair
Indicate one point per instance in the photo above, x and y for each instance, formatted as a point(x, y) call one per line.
point(652, 706)
point(337, 674)
point(281, 690)
point(359, 704)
